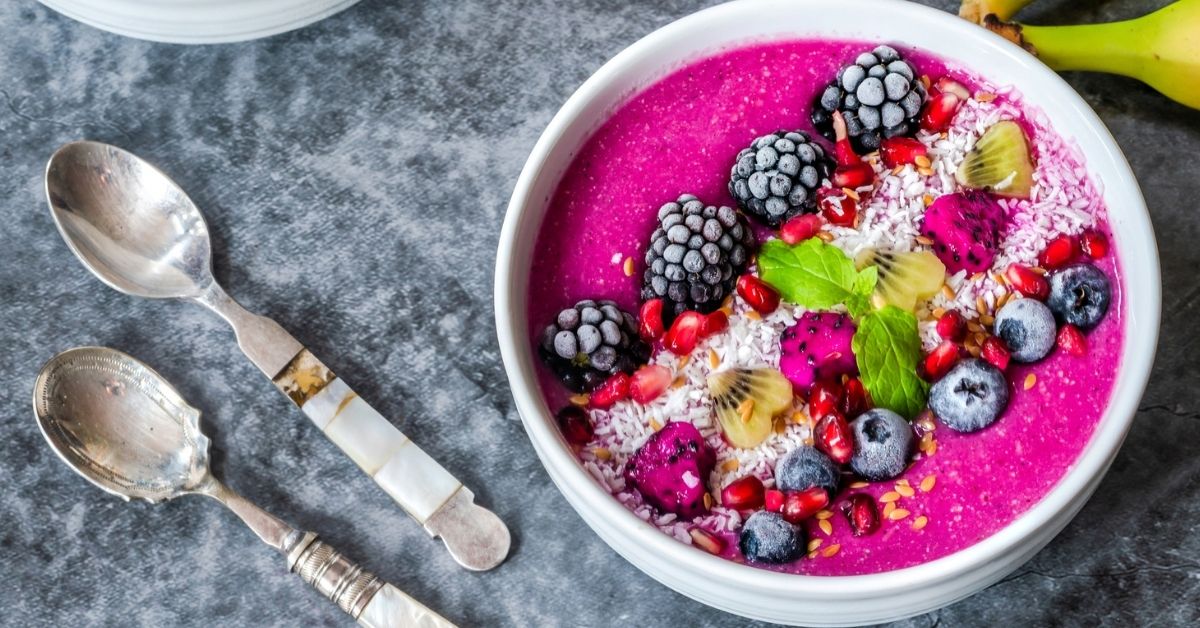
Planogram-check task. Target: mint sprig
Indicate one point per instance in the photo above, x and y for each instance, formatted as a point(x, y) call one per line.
point(887, 345)
point(814, 274)
point(887, 348)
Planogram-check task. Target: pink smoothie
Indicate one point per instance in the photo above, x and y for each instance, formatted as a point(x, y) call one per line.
point(680, 135)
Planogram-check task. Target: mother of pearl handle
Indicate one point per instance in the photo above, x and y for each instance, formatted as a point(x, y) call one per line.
point(373, 602)
point(475, 536)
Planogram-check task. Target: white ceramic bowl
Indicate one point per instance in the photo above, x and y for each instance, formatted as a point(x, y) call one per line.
point(197, 21)
point(843, 600)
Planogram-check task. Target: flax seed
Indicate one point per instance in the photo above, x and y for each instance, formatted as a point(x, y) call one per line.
point(859, 485)
point(753, 315)
point(683, 361)
point(655, 425)
point(888, 508)
point(580, 400)
point(730, 465)
point(905, 490)
point(897, 514)
point(981, 305)
point(824, 514)
point(922, 240)
point(987, 319)
point(923, 161)
point(1030, 381)
point(852, 194)
point(948, 292)
point(828, 552)
point(920, 522)
point(938, 312)
point(713, 359)
point(927, 172)
point(814, 544)
point(889, 497)
point(602, 453)
point(826, 526)
point(927, 483)
point(628, 266)
point(985, 96)
point(928, 199)
point(708, 500)
point(825, 236)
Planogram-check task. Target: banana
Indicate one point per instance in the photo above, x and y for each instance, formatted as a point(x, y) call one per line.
point(1162, 49)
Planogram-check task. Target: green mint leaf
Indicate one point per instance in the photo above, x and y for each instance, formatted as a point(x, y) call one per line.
point(858, 305)
point(812, 274)
point(864, 283)
point(887, 348)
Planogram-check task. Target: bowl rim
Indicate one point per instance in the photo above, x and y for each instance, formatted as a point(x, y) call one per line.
point(575, 482)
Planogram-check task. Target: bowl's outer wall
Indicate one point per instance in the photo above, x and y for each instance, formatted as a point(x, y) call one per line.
point(810, 600)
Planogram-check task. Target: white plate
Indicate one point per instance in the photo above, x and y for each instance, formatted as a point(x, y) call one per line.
point(197, 21)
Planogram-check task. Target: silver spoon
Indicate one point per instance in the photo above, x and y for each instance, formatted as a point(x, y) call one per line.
point(122, 426)
point(138, 232)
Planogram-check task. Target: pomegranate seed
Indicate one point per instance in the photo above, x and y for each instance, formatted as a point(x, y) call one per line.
point(650, 320)
point(1094, 243)
point(614, 389)
point(575, 425)
point(854, 398)
point(996, 352)
point(840, 210)
point(743, 494)
point(862, 513)
point(853, 175)
point(952, 326)
point(800, 505)
point(824, 397)
point(1071, 340)
point(1059, 252)
point(707, 541)
point(758, 293)
point(1027, 282)
point(832, 436)
point(685, 332)
point(939, 361)
point(714, 323)
point(773, 501)
point(800, 228)
point(649, 382)
point(898, 151)
point(939, 112)
point(843, 151)
point(949, 85)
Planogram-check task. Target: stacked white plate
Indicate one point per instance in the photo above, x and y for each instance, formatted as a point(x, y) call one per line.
point(197, 21)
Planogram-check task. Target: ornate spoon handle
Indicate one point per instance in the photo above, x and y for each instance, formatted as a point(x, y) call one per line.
point(373, 602)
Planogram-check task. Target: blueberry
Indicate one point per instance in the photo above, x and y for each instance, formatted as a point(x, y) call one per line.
point(1027, 327)
point(970, 397)
point(768, 538)
point(805, 467)
point(1079, 295)
point(882, 444)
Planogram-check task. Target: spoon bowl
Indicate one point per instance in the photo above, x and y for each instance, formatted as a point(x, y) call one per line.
point(129, 223)
point(120, 425)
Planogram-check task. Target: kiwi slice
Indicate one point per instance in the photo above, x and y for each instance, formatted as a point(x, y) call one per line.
point(747, 401)
point(905, 278)
point(999, 163)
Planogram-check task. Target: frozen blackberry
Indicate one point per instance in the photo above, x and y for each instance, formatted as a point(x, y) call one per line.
point(879, 95)
point(591, 341)
point(777, 176)
point(696, 254)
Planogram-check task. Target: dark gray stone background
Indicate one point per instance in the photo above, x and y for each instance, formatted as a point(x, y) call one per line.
point(354, 175)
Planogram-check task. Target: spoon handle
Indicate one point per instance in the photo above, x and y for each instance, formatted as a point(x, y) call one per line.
point(474, 535)
point(373, 602)
point(476, 538)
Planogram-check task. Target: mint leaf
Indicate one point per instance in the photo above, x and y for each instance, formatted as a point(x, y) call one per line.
point(864, 283)
point(887, 348)
point(811, 274)
point(858, 305)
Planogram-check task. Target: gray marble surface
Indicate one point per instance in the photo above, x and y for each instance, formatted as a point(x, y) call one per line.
point(355, 175)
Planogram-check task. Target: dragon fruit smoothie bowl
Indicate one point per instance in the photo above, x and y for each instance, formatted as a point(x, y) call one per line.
point(826, 330)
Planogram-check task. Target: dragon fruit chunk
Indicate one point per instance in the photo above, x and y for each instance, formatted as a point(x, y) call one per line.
point(966, 229)
point(817, 347)
point(672, 468)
